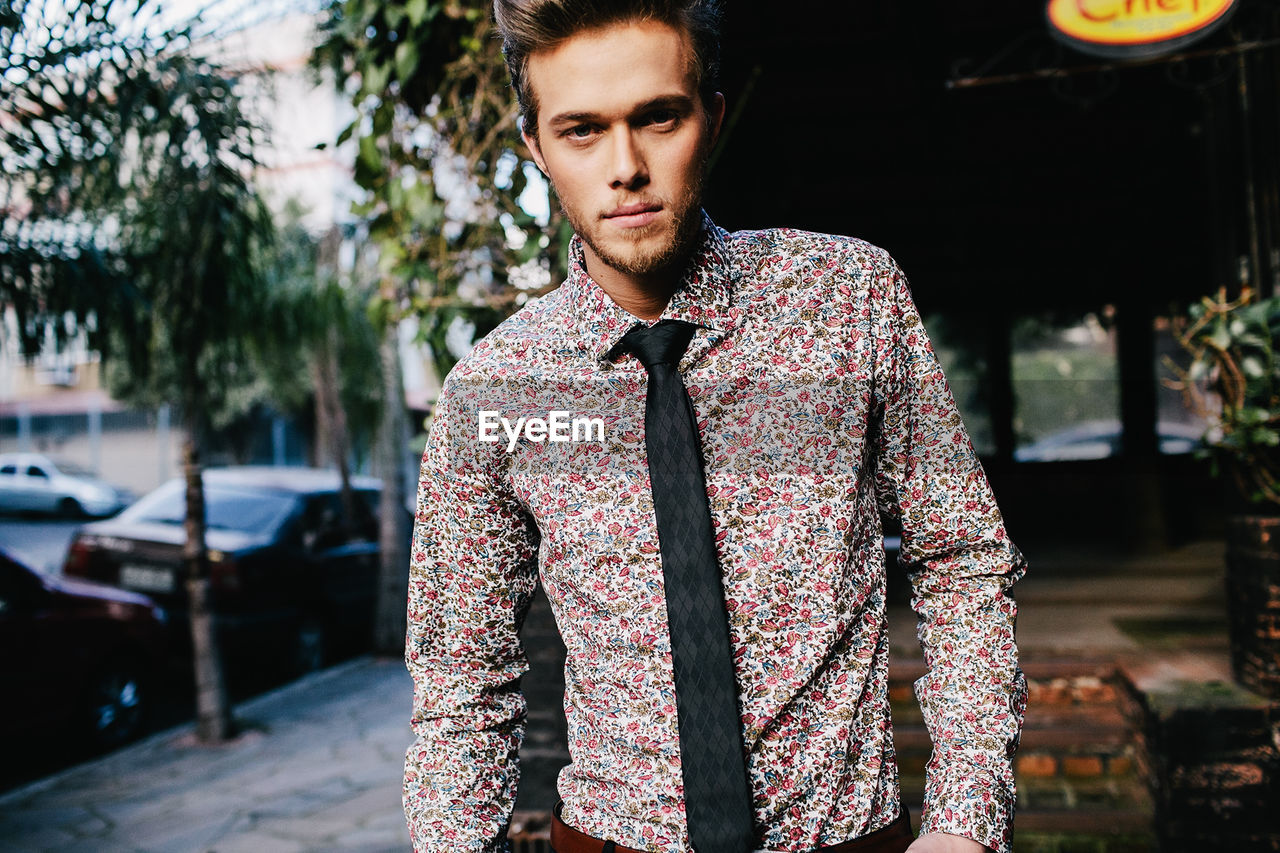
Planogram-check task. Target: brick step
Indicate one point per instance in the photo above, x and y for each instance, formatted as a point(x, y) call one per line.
point(1071, 842)
point(1057, 692)
point(1084, 821)
point(1042, 792)
point(903, 670)
point(1087, 830)
point(1042, 753)
point(1043, 765)
point(1056, 789)
point(1059, 784)
point(1084, 794)
point(1046, 765)
point(1038, 716)
point(1052, 692)
point(1133, 826)
point(1077, 740)
point(1080, 765)
point(1109, 715)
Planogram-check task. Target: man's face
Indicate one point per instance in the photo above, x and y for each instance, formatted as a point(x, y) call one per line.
point(624, 136)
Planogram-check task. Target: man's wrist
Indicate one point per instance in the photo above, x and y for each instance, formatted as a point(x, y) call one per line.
point(945, 842)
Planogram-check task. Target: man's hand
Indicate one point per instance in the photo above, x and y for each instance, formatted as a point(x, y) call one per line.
point(941, 842)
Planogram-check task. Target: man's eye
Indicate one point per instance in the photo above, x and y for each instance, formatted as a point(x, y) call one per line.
point(580, 131)
point(661, 117)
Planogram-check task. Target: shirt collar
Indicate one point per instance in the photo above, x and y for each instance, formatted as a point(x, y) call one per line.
point(704, 296)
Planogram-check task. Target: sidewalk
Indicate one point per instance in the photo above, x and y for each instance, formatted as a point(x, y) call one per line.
point(319, 766)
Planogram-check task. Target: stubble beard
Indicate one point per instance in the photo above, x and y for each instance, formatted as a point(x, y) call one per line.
point(686, 221)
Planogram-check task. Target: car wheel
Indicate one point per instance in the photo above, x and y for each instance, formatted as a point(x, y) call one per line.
point(70, 508)
point(117, 704)
point(311, 646)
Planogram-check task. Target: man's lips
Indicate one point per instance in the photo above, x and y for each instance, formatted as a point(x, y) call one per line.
point(634, 215)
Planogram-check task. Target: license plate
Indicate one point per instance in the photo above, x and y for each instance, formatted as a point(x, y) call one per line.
point(146, 578)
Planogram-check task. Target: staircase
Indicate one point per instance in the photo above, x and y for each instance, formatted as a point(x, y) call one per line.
point(1080, 788)
point(1079, 783)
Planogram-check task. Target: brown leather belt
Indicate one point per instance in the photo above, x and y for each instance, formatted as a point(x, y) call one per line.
point(894, 838)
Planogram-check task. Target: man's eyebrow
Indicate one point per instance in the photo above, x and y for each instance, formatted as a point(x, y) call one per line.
point(675, 102)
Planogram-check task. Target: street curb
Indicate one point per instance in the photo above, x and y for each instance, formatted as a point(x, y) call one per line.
point(151, 741)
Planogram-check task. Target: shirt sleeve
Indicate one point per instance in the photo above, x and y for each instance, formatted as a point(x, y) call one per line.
point(961, 564)
point(472, 575)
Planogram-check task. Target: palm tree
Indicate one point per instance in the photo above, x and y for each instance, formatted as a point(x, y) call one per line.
point(129, 209)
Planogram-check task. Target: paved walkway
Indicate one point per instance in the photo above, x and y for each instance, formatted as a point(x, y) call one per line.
point(317, 769)
point(319, 765)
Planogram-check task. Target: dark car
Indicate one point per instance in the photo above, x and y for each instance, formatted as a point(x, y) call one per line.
point(291, 580)
point(77, 660)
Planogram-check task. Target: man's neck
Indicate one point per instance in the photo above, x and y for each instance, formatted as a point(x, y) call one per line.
point(643, 296)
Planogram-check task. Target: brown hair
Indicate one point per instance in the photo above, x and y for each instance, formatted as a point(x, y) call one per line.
point(528, 26)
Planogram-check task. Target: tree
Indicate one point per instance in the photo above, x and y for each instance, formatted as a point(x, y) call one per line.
point(356, 379)
point(443, 168)
point(324, 355)
point(129, 208)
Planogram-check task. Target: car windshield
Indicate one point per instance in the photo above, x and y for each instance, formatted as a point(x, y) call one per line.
point(71, 469)
point(226, 507)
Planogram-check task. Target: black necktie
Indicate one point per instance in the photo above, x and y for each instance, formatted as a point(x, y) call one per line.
point(716, 791)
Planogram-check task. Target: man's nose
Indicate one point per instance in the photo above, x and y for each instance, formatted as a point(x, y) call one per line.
point(628, 166)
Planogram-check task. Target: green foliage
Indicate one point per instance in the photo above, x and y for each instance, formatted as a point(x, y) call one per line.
point(77, 85)
point(128, 196)
point(439, 156)
point(129, 209)
point(310, 310)
point(1234, 379)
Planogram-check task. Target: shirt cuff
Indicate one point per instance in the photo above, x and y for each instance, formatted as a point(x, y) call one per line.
point(964, 800)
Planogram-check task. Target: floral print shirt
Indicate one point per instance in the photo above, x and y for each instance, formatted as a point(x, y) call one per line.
point(820, 406)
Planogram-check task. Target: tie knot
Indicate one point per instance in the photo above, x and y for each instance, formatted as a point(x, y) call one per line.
point(663, 343)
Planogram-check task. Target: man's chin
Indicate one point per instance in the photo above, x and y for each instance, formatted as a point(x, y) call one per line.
point(639, 257)
point(648, 265)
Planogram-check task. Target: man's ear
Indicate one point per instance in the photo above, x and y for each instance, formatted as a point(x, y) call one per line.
point(535, 149)
point(715, 114)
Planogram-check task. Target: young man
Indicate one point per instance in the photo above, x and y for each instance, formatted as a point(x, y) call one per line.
point(795, 367)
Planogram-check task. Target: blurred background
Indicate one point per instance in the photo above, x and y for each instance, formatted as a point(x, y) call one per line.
point(243, 242)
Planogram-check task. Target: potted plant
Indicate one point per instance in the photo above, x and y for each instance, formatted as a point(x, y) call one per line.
point(1233, 380)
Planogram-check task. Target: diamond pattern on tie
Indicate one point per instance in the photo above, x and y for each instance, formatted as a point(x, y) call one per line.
point(717, 791)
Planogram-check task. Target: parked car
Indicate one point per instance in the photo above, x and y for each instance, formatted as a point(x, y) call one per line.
point(290, 581)
point(77, 660)
point(1102, 439)
point(30, 482)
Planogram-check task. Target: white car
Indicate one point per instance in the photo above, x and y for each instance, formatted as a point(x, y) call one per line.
point(31, 482)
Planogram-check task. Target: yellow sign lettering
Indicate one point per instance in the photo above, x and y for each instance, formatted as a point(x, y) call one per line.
point(1083, 6)
point(1135, 23)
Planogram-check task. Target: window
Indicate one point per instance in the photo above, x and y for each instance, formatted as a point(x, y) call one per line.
point(1066, 387)
point(226, 507)
point(322, 523)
